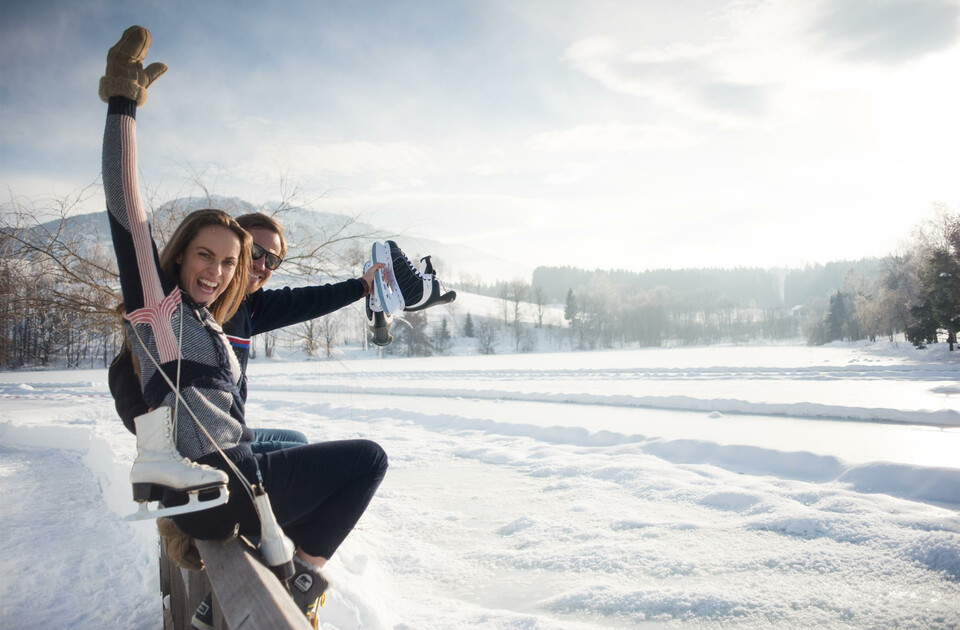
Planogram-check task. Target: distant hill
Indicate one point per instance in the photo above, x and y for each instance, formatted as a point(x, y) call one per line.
point(452, 261)
point(464, 266)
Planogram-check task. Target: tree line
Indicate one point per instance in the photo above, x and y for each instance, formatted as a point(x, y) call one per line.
point(912, 294)
point(59, 293)
point(917, 292)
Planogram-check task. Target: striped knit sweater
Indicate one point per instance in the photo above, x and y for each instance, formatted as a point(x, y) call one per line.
point(161, 321)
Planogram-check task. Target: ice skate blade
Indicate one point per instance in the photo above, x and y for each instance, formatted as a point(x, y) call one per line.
point(194, 504)
point(388, 291)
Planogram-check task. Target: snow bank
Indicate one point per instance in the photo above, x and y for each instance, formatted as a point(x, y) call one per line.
point(624, 490)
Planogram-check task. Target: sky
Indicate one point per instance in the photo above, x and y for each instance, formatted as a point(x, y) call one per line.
point(602, 134)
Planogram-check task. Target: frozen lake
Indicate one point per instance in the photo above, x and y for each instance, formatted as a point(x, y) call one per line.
point(775, 487)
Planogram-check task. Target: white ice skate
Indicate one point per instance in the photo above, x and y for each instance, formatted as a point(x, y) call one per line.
point(378, 322)
point(389, 297)
point(160, 466)
point(275, 548)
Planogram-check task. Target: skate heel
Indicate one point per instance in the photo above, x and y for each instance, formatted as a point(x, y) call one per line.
point(144, 492)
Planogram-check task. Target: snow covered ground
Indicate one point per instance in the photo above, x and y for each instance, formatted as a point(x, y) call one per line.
point(734, 487)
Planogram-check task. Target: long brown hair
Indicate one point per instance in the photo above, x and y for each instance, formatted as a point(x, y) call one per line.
point(229, 301)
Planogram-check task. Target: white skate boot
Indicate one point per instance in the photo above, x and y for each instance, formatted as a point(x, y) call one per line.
point(275, 548)
point(378, 322)
point(385, 285)
point(160, 466)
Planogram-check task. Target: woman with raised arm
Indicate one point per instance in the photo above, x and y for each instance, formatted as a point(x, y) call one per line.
point(318, 491)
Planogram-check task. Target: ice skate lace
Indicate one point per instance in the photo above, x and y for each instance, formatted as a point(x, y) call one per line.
point(413, 268)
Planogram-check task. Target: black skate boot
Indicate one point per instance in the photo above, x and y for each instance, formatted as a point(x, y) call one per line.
point(419, 287)
point(307, 588)
point(203, 618)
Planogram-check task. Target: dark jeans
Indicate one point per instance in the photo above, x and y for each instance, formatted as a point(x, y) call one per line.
point(318, 493)
point(266, 440)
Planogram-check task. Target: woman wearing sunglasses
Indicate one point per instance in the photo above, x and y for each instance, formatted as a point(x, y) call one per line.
point(261, 311)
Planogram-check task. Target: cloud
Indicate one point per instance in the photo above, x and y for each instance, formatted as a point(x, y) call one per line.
point(357, 164)
point(612, 138)
point(889, 31)
point(689, 78)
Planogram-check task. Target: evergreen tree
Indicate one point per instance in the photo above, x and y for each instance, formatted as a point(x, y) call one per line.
point(922, 327)
point(413, 336)
point(441, 336)
point(836, 318)
point(571, 309)
point(939, 304)
point(468, 330)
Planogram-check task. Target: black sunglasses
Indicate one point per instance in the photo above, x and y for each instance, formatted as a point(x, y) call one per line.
point(273, 261)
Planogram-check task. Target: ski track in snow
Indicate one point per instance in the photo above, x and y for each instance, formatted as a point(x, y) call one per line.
point(524, 496)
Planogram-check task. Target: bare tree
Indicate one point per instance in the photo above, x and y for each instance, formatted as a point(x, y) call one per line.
point(518, 290)
point(66, 285)
point(503, 292)
point(540, 301)
point(486, 336)
point(60, 272)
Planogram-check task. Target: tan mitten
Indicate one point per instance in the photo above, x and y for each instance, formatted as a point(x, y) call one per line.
point(179, 547)
point(125, 75)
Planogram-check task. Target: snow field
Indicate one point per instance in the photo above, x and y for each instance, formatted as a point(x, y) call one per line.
point(614, 537)
point(629, 491)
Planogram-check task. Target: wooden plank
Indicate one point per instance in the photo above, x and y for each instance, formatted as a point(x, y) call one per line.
point(168, 572)
point(178, 598)
point(218, 621)
point(249, 595)
point(186, 589)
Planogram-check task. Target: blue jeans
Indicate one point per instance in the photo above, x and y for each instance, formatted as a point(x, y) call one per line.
point(268, 440)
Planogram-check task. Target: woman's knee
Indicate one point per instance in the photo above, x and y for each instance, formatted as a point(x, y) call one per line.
point(377, 457)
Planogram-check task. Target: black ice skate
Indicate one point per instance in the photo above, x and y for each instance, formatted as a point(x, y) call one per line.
point(159, 466)
point(407, 287)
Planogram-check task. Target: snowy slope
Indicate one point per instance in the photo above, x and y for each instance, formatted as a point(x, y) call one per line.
point(779, 487)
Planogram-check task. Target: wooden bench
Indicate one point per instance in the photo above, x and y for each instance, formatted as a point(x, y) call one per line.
point(246, 594)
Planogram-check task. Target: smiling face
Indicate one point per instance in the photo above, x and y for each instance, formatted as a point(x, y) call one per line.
point(269, 241)
point(208, 263)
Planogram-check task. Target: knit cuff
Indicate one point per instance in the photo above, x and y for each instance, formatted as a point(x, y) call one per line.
point(120, 86)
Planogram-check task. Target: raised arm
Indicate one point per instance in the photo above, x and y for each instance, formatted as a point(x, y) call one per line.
point(124, 87)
